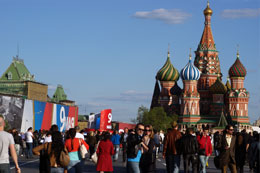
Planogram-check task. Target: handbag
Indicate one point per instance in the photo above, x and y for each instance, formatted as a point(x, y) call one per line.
point(202, 151)
point(94, 156)
point(64, 158)
point(83, 150)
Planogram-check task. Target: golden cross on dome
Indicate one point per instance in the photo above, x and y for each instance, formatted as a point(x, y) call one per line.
point(237, 50)
point(190, 54)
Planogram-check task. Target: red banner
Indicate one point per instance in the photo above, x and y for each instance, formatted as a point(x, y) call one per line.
point(105, 119)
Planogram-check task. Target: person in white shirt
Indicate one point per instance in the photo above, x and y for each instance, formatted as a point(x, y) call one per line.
point(6, 144)
point(29, 142)
point(79, 135)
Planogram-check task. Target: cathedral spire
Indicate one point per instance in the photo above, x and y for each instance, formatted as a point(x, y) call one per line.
point(207, 41)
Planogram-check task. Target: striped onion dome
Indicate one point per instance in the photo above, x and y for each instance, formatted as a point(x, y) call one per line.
point(237, 69)
point(176, 90)
point(218, 87)
point(190, 72)
point(168, 72)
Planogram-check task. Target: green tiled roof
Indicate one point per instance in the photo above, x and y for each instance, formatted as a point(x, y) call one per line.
point(59, 94)
point(17, 71)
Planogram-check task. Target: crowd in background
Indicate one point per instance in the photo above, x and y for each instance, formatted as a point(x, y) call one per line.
point(140, 148)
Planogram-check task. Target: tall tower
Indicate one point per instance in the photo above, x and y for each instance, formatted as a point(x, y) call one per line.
point(207, 61)
point(190, 106)
point(238, 96)
point(168, 76)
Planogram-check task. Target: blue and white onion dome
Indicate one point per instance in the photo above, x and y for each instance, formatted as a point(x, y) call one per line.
point(190, 72)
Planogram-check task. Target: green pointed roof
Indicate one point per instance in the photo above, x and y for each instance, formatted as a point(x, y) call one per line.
point(218, 87)
point(222, 121)
point(17, 71)
point(168, 72)
point(228, 85)
point(59, 94)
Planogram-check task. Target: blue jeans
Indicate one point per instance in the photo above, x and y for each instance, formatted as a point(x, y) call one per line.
point(29, 149)
point(57, 170)
point(5, 168)
point(132, 167)
point(203, 161)
point(74, 166)
point(116, 148)
point(173, 163)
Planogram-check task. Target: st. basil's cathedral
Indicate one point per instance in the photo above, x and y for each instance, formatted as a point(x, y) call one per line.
point(204, 100)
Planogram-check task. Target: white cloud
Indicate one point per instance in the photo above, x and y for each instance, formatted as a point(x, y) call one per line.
point(129, 96)
point(173, 16)
point(240, 13)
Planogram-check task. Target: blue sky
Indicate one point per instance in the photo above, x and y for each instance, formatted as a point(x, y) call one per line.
point(106, 53)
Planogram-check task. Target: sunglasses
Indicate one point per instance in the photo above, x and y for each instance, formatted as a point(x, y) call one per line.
point(147, 130)
point(231, 129)
point(140, 129)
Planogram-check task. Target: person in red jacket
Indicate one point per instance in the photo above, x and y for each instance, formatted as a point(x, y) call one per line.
point(205, 148)
point(104, 151)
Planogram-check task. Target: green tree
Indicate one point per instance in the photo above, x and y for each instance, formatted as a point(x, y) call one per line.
point(142, 110)
point(156, 117)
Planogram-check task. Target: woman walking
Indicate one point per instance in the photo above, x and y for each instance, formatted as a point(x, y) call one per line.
point(104, 151)
point(91, 141)
point(205, 148)
point(73, 146)
point(148, 158)
point(53, 149)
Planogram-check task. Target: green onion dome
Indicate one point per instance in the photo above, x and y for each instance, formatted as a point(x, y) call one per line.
point(218, 87)
point(168, 72)
point(176, 90)
point(237, 69)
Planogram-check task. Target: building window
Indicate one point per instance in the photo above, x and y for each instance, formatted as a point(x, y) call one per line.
point(9, 76)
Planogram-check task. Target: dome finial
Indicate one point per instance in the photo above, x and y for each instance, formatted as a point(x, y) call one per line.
point(190, 54)
point(208, 10)
point(168, 50)
point(237, 50)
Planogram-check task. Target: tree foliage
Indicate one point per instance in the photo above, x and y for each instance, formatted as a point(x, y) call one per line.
point(156, 117)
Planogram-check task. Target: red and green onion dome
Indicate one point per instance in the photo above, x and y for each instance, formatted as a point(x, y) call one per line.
point(237, 69)
point(168, 72)
point(176, 90)
point(218, 87)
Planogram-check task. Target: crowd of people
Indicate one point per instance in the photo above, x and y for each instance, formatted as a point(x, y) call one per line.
point(62, 152)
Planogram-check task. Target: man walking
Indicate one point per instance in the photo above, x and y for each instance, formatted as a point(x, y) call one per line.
point(227, 150)
point(6, 143)
point(171, 149)
point(134, 149)
point(123, 141)
point(116, 142)
point(29, 142)
point(189, 148)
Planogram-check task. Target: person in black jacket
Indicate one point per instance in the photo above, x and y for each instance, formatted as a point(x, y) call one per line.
point(189, 148)
point(134, 149)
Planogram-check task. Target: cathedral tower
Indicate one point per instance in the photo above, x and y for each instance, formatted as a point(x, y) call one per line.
point(190, 106)
point(207, 61)
point(168, 76)
point(238, 96)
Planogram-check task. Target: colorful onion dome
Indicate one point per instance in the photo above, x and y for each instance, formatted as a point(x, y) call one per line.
point(190, 72)
point(237, 69)
point(218, 87)
point(176, 90)
point(228, 85)
point(168, 72)
point(208, 10)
